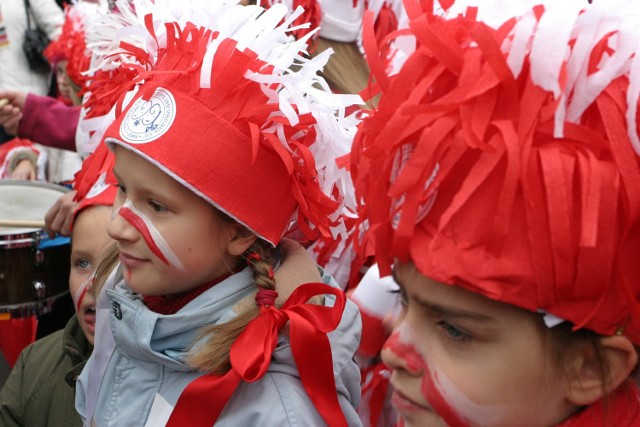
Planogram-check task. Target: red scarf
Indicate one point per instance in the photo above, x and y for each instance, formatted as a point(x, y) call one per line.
point(163, 304)
point(621, 409)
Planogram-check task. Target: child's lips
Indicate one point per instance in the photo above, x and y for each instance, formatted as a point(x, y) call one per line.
point(130, 260)
point(403, 404)
point(90, 316)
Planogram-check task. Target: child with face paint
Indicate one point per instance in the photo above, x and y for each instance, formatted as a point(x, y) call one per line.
point(40, 390)
point(68, 54)
point(215, 153)
point(500, 176)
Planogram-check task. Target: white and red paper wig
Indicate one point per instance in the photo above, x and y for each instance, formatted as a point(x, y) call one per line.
point(229, 106)
point(501, 157)
point(70, 45)
point(94, 183)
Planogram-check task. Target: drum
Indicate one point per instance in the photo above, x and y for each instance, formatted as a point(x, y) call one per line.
point(34, 270)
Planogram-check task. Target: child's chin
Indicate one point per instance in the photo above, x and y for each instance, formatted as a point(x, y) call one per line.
point(426, 419)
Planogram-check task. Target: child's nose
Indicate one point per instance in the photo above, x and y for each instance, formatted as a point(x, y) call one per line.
point(399, 356)
point(120, 229)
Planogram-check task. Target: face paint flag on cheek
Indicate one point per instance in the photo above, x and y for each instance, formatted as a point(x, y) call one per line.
point(150, 234)
point(78, 297)
point(430, 387)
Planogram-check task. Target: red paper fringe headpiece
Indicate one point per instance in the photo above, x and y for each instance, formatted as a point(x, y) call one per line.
point(94, 183)
point(70, 46)
point(247, 134)
point(465, 169)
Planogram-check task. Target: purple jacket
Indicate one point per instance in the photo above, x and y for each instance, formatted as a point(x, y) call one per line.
point(49, 122)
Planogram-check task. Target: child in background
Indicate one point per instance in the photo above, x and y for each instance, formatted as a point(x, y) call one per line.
point(40, 390)
point(68, 55)
point(50, 121)
point(499, 172)
point(213, 159)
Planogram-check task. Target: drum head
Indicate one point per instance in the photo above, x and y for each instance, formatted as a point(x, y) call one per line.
point(26, 200)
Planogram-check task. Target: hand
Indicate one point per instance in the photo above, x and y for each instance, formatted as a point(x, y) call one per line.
point(60, 216)
point(11, 105)
point(24, 170)
point(14, 98)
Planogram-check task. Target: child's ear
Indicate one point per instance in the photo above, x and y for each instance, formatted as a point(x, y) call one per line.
point(240, 240)
point(589, 381)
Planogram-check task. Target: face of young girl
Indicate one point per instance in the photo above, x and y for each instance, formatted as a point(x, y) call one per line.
point(89, 239)
point(61, 79)
point(170, 240)
point(460, 359)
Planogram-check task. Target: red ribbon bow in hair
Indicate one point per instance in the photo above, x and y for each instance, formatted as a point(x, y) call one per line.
point(202, 402)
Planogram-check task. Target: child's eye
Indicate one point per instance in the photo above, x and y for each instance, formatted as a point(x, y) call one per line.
point(82, 264)
point(453, 332)
point(121, 188)
point(157, 207)
point(404, 300)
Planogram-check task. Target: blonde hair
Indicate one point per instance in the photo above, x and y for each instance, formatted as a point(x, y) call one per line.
point(107, 263)
point(213, 355)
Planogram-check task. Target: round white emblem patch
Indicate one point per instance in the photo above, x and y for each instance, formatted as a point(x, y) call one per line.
point(147, 121)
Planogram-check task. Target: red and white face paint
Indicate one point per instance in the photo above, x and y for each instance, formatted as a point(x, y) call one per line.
point(460, 359)
point(152, 237)
point(80, 293)
point(436, 388)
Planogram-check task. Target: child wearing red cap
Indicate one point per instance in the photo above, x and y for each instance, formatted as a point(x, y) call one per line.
point(41, 388)
point(501, 174)
point(222, 145)
point(67, 55)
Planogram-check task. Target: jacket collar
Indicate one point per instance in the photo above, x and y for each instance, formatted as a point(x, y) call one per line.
point(166, 339)
point(75, 346)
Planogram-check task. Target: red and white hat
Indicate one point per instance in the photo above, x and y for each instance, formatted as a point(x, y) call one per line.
point(501, 158)
point(70, 45)
point(94, 183)
point(229, 106)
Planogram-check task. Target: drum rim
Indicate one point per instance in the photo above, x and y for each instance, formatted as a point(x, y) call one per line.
point(41, 184)
point(20, 240)
point(32, 307)
point(27, 236)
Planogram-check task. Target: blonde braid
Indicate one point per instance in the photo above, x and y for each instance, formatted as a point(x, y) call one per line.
point(260, 264)
point(213, 356)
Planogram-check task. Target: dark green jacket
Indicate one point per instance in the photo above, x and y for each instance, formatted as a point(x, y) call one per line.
point(40, 391)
